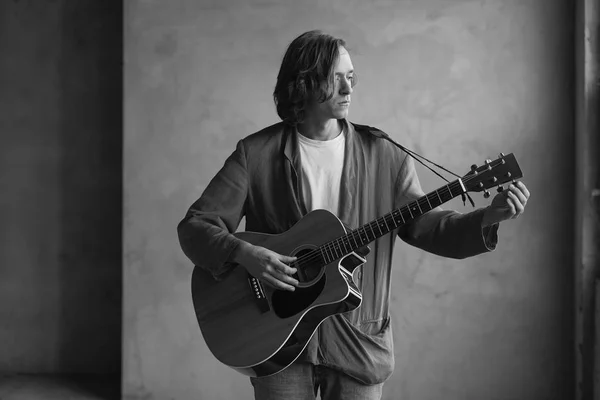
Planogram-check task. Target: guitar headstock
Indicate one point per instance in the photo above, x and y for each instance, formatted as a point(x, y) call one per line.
point(492, 173)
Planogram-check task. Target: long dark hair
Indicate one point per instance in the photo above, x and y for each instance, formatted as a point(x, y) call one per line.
point(306, 71)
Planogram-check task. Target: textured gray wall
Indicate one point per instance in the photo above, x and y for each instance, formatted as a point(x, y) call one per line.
point(60, 174)
point(458, 81)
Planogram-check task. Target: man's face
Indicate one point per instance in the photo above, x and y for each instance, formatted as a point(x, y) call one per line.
point(337, 107)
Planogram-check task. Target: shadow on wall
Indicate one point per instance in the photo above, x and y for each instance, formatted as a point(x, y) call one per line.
point(90, 115)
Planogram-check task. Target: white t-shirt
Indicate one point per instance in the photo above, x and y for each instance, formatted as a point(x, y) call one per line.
point(322, 164)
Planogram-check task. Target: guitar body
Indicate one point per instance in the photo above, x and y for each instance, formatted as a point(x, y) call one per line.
point(260, 331)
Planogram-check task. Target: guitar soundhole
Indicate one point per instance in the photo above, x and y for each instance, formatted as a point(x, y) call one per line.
point(309, 266)
point(286, 304)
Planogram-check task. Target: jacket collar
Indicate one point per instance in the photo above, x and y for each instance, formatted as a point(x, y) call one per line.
point(348, 184)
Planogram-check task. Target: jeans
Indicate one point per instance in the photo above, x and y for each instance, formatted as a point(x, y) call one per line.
point(302, 381)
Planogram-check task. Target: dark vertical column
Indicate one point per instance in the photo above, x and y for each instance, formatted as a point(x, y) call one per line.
point(61, 186)
point(587, 225)
point(90, 131)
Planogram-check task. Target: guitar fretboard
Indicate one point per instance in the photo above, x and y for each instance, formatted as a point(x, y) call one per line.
point(373, 230)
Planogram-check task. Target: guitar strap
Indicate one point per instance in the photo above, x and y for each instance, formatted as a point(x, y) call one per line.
point(382, 135)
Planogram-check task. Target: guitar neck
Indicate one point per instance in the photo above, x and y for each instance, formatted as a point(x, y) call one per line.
point(373, 230)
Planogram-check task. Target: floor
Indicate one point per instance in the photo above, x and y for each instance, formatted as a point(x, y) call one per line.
point(48, 387)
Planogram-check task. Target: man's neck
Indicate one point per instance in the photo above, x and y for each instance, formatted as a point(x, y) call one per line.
point(320, 130)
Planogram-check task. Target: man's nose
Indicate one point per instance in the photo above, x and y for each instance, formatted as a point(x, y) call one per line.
point(345, 86)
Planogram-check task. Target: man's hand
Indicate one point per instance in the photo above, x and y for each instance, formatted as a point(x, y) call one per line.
point(266, 265)
point(508, 204)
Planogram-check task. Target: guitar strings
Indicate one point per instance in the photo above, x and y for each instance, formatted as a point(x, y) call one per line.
point(352, 236)
point(319, 253)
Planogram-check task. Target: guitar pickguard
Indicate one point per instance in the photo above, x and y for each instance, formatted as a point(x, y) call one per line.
point(286, 304)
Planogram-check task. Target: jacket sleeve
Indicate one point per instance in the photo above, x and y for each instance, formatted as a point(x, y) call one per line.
point(446, 233)
point(205, 233)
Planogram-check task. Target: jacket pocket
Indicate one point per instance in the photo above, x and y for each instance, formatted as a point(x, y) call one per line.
point(367, 357)
point(377, 333)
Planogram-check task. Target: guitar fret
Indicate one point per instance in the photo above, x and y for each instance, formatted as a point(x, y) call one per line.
point(386, 225)
point(330, 254)
point(428, 202)
point(355, 242)
point(410, 212)
point(327, 247)
point(374, 235)
point(323, 255)
point(379, 227)
point(418, 205)
point(344, 244)
point(438, 195)
point(335, 249)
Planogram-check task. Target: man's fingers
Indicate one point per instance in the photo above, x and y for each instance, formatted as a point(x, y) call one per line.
point(520, 194)
point(286, 269)
point(276, 271)
point(287, 259)
point(515, 204)
point(285, 278)
point(523, 189)
point(276, 283)
point(281, 277)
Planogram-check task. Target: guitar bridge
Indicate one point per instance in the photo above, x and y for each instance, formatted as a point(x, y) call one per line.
point(259, 294)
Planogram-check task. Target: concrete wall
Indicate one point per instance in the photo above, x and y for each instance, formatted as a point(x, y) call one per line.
point(457, 81)
point(60, 174)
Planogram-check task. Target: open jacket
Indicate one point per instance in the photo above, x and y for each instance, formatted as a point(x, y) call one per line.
point(260, 180)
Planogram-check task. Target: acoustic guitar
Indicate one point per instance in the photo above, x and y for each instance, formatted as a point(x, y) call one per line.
point(258, 330)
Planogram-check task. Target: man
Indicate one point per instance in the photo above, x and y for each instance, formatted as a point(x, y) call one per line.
point(316, 159)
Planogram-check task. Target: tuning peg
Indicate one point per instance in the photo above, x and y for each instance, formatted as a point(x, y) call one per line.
point(486, 194)
point(501, 155)
point(474, 167)
point(500, 189)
